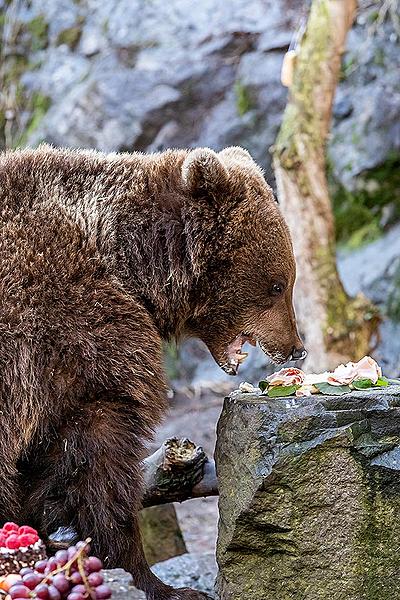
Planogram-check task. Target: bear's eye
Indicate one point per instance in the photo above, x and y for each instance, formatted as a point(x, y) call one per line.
point(276, 289)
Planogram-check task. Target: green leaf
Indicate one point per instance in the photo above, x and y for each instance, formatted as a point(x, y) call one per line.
point(332, 390)
point(395, 381)
point(263, 384)
point(362, 384)
point(279, 391)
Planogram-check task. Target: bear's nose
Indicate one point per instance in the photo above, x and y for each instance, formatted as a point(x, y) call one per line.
point(299, 353)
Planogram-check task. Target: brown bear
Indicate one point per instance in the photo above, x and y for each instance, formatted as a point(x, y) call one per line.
point(102, 258)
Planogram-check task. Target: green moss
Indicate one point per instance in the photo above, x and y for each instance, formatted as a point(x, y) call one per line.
point(348, 66)
point(300, 118)
point(377, 541)
point(244, 101)
point(359, 214)
point(24, 41)
point(379, 57)
point(373, 16)
point(171, 360)
point(38, 30)
point(105, 26)
point(70, 36)
point(38, 105)
point(344, 318)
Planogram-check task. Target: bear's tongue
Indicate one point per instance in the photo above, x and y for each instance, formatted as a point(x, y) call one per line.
point(234, 350)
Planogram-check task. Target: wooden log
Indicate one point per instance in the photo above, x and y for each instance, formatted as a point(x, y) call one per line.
point(177, 471)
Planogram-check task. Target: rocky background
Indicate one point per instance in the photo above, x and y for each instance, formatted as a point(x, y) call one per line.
point(148, 74)
point(123, 75)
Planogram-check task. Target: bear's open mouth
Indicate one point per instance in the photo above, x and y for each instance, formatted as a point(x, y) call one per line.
point(234, 353)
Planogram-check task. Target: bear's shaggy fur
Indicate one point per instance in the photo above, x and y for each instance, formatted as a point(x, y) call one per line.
point(101, 258)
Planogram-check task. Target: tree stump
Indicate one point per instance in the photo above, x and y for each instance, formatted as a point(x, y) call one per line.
point(309, 497)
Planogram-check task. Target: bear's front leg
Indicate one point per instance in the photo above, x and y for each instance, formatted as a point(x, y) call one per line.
point(10, 493)
point(92, 481)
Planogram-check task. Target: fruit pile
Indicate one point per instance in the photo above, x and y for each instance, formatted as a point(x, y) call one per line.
point(19, 547)
point(68, 575)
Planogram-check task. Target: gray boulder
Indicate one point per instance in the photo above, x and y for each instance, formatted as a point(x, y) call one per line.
point(309, 497)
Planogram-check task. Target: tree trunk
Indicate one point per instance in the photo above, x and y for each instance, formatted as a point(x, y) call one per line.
point(335, 327)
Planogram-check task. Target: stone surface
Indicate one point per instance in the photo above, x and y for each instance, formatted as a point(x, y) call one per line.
point(127, 74)
point(161, 535)
point(310, 497)
point(196, 571)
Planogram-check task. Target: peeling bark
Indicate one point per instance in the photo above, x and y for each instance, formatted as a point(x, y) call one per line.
point(335, 327)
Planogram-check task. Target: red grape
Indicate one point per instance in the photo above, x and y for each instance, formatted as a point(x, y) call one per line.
point(19, 591)
point(71, 552)
point(80, 545)
point(40, 566)
point(49, 579)
point(103, 592)
point(61, 583)
point(75, 578)
point(95, 579)
point(25, 571)
point(52, 563)
point(54, 594)
point(31, 580)
point(61, 557)
point(93, 564)
point(42, 591)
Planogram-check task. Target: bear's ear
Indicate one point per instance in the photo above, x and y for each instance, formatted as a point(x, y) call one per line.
point(204, 173)
point(237, 153)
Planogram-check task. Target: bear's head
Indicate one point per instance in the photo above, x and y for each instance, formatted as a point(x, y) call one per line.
point(242, 253)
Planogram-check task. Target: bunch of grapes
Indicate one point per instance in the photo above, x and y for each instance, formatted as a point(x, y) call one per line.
point(68, 575)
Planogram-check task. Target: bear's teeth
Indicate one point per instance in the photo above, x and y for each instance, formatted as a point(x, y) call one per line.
point(241, 356)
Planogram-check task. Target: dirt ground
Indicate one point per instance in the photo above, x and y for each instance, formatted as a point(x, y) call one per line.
point(194, 414)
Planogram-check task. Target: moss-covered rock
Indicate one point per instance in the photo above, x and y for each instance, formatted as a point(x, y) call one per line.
point(362, 214)
point(309, 497)
point(20, 110)
point(70, 37)
point(244, 100)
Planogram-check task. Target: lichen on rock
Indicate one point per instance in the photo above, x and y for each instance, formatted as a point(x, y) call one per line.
point(309, 497)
